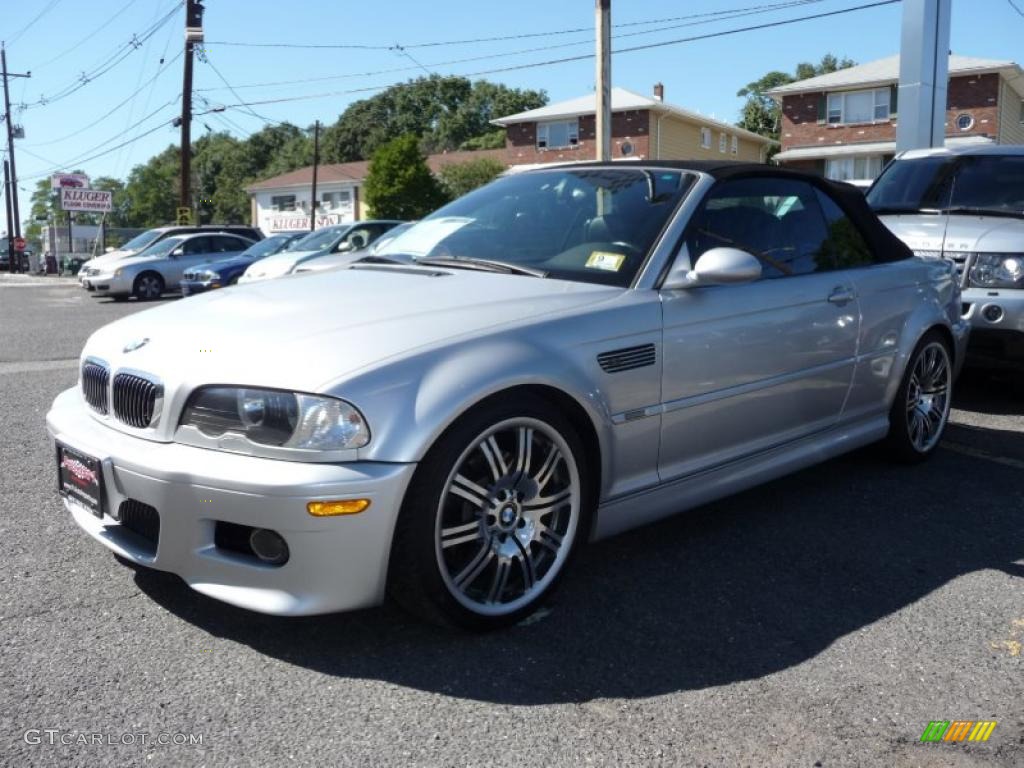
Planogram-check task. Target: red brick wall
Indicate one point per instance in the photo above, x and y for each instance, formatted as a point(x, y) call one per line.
point(633, 126)
point(977, 95)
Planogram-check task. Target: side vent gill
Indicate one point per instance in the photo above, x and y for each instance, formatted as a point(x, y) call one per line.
point(618, 360)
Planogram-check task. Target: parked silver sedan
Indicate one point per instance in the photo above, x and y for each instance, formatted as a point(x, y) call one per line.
point(574, 352)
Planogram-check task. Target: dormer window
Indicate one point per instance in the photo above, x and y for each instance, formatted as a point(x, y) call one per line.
point(558, 134)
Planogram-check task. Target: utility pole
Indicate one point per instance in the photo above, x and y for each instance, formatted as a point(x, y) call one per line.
point(10, 216)
point(603, 126)
point(316, 162)
point(924, 74)
point(12, 184)
point(193, 35)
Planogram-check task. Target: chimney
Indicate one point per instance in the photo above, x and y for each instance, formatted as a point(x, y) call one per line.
point(659, 92)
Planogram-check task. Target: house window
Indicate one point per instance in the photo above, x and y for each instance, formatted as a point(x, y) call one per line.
point(283, 202)
point(327, 201)
point(858, 106)
point(345, 199)
point(965, 122)
point(558, 134)
point(705, 138)
point(723, 142)
point(859, 167)
point(735, 145)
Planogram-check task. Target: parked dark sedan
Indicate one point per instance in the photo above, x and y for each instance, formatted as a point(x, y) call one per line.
point(206, 277)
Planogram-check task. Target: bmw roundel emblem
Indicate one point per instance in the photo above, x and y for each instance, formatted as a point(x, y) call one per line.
point(131, 346)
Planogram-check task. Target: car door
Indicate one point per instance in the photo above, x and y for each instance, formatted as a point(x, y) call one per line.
point(189, 254)
point(224, 247)
point(753, 366)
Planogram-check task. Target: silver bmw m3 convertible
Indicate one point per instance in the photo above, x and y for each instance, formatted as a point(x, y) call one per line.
point(561, 355)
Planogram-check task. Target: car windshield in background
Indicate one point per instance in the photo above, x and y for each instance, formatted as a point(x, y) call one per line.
point(267, 247)
point(587, 224)
point(983, 184)
point(139, 242)
point(321, 240)
point(164, 247)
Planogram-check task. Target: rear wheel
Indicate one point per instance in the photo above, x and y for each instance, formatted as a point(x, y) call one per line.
point(492, 518)
point(148, 286)
point(920, 413)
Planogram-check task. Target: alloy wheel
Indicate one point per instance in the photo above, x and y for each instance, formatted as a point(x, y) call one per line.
point(928, 396)
point(149, 287)
point(508, 516)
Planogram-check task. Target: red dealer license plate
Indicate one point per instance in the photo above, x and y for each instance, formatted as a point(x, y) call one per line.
point(80, 478)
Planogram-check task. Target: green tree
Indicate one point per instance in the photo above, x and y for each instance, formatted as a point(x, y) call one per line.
point(399, 185)
point(443, 112)
point(760, 112)
point(152, 190)
point(459, 178)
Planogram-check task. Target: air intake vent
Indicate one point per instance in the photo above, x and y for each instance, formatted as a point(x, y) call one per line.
point(142, 520)
point(627, 359)
point(95, 382)
point(135, 399)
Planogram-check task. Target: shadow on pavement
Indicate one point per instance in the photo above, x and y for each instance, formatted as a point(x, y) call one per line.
point(733, 591)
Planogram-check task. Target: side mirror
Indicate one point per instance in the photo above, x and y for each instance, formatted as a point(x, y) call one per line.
point(719, 266)
point(178, 252)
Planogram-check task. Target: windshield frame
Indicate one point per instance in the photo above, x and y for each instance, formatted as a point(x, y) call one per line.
point(156, 237)
point(650, 247)
point(151, 251)
point(338, 235)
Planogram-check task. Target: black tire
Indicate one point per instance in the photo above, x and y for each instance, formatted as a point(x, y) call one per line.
point(148, 286)
point(904, 443)
point(419, 577)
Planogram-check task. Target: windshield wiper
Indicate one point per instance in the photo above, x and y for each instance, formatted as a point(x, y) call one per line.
point(968, 210)
point(882, 210)
point(487, 265)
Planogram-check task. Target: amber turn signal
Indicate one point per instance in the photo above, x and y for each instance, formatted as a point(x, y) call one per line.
point(339, 507)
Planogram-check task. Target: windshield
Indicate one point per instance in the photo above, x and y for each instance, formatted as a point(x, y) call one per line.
point(974, 183)
point(321, 240)
point(588, 224)
point(164, 247)
point(266, 247)
point(139, 242)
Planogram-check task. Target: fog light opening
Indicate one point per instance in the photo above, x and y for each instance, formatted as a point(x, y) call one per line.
point(269, 546)
point(992, 312)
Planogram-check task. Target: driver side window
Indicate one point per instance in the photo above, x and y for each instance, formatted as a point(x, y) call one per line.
point(777, 220)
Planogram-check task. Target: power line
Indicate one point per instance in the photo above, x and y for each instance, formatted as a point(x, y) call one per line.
point(584, 57)
point(576, 30)
point(116, 58)
point(87, 38)
point(46, 9)
point(1015, 7)
point(206, 60)
point(736, 13)
point(111, 110)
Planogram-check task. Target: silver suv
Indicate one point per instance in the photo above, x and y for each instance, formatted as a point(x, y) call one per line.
point(966, 204)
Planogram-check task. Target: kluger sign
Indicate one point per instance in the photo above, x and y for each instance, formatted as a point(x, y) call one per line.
point(93, 200)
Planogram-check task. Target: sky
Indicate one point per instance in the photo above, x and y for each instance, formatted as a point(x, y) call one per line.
point(133, 88)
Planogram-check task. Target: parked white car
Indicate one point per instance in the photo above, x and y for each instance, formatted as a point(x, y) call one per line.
point(369, 255)
point(343, 238)
point(161, 266)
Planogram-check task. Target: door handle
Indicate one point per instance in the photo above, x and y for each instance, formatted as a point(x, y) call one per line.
point(841, 296)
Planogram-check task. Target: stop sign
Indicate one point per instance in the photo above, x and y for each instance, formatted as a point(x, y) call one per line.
point(19, 243)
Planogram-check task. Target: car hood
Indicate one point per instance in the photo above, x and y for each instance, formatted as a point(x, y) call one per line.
point(331, 260)
point(307, 330)
point(279, 264)
point(134, 261)
point(958, 233)
point(106, 258)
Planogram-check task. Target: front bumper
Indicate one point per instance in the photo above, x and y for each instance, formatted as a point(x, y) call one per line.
point(335, 564)
point(191, 287)
point(997, 325)
point(106, 284)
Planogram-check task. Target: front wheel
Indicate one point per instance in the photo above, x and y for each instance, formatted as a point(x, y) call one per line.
point(920, 413)
point(492, 517)
point(148, 286)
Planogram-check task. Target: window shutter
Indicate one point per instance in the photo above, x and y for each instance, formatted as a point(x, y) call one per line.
point(894, 91)
point(822, 108)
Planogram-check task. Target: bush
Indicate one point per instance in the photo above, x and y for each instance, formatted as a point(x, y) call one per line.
point(399, 185)
point(459, 178)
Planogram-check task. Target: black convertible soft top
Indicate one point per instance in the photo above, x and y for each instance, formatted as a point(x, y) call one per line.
point(885, 245)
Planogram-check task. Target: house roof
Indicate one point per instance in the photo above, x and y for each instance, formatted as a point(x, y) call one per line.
point(622, 101)
point(888, 71)
point(355, 172)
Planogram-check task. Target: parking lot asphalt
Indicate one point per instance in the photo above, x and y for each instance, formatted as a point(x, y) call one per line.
point(821, 620)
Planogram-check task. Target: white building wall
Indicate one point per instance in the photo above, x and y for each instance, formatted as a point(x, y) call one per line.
point(337, 205)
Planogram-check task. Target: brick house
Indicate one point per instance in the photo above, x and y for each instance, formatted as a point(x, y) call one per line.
point(643, 128)
point(843, 124)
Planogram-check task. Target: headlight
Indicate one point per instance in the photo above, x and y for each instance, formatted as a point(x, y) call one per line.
point(274, 417)
point(208, 275)
point(998, 270)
